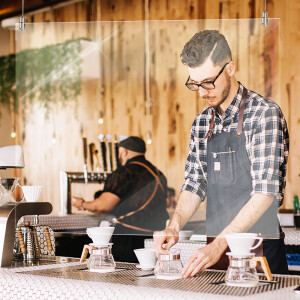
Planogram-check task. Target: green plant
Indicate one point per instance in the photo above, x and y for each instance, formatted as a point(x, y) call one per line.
point(46, 75)
point(7, 80)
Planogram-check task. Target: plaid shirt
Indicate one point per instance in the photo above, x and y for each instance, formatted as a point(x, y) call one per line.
point(267, 144)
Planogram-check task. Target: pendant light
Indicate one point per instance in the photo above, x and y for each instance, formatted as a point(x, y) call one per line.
point(22, 19)
point(13, 132)
point(264, 17)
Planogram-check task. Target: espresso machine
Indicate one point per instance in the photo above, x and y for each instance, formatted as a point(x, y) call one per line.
point(99, 168)
point(10, 210)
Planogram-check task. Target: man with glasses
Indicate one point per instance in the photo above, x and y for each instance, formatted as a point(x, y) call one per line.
point(237, 159)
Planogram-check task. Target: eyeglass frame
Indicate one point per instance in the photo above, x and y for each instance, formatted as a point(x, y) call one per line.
point(201, 84)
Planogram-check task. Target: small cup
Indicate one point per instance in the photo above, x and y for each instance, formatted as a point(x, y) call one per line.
point(146, 257)
point(241, 243)
point(184, 235)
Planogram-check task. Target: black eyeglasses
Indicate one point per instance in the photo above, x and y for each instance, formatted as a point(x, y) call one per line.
point(207, 85)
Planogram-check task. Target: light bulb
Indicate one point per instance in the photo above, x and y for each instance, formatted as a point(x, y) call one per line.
point(13, 134)
point(148, 138)
point(100, 120)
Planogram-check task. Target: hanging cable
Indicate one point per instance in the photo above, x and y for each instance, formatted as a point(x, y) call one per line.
point(22, 19)
point(148, 102)
point(264, 17)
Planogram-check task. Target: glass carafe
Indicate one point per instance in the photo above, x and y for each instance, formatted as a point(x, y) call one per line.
point(242, 270)
point(169, 265)
point(101, 259)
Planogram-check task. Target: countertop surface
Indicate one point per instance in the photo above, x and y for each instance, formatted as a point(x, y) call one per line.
point(70, 280)
point(81, 222)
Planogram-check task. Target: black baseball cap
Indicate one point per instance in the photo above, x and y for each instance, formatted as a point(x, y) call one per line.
point(134, 143)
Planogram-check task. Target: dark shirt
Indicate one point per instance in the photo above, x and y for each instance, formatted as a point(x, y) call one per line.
point(134, 184)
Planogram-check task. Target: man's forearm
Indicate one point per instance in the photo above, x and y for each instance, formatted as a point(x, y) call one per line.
point(247, 216)
point(187, 205)
point(106, 202)
point(90, 206)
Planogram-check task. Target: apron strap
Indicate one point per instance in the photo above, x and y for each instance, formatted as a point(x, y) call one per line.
point(158, 182)
point(211, 127)
point(241, 112)
point(154, 175)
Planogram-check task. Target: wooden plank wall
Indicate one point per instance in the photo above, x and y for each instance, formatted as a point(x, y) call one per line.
point(173, 106)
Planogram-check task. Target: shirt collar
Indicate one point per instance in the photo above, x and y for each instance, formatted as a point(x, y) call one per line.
point(135, 158)
point(234, 107)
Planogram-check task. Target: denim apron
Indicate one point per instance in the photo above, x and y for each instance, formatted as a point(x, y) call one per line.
point(229, 185)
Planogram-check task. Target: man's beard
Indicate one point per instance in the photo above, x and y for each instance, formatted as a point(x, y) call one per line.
point(226, 90)
point(224, 94)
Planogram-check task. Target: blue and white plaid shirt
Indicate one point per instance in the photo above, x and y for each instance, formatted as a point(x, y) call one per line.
point(267, 144)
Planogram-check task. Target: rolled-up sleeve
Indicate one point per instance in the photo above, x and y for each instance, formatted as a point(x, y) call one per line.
point(196, 167)
point(269, 151)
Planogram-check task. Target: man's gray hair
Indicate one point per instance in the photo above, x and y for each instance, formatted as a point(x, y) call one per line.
point(204, 44)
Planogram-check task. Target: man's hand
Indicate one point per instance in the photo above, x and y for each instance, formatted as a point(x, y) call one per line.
point(77, 202)
point(169, 236)
point(204, 258)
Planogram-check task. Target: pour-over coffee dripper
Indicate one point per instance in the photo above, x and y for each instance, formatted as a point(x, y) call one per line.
point(101, 259)
point(242, 263)
point(7, 187)
point(32, 193)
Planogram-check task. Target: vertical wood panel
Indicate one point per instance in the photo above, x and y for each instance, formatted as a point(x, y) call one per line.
point(174, 106)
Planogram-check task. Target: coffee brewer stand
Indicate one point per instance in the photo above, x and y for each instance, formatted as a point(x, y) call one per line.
point(10, 211)
point(242, 263)
point(101, 259)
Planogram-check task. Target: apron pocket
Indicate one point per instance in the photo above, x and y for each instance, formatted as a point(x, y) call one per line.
point(224, 167)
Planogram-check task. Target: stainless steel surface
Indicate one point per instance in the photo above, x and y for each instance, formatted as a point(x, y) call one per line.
point(10, 213)
point(44, 260)
point(203, 283)
point(40, 240)
point(31, 241)
point(36, 219)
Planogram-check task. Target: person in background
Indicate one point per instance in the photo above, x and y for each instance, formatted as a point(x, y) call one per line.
point(237, 158)
point(171, 199)
point(135, 194)
point(97, 194)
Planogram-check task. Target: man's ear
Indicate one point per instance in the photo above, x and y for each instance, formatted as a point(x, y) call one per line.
point(231, 68)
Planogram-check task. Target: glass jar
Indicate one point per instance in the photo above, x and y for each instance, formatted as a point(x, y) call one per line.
point(241, 271)
point(101, 259)
point(169, 265)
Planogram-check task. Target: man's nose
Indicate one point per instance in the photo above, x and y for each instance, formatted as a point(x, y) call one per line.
point(202, 92)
